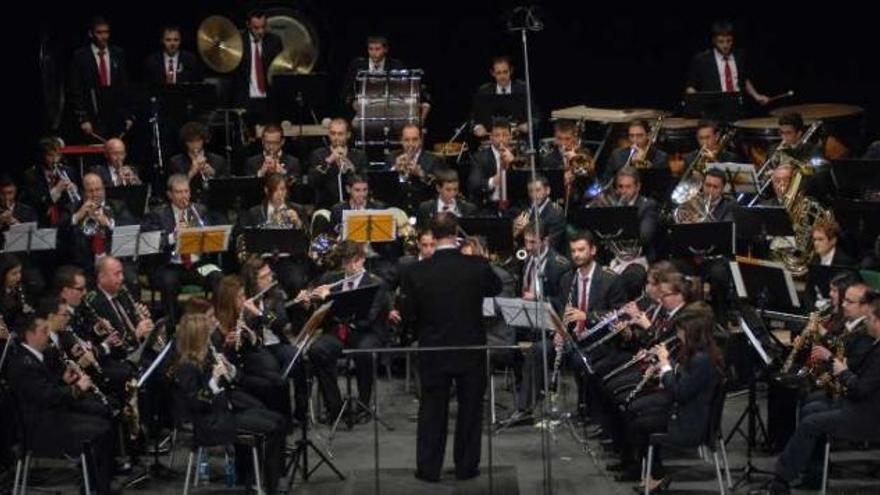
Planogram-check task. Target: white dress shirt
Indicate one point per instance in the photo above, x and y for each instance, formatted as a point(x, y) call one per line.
point(719, 61)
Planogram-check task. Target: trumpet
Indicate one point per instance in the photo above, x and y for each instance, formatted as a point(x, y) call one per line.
point(128, 176)
point(206, 173)
point(90, 225)
point(72, 190)
point(339, 156)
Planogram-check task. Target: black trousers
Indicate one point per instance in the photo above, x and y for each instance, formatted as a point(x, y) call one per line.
point(802, 448)
point(252, 417)
point(261, 377)
point(169, 278)
point(470, 386)
point(72, 433)
point(324, 353)
point(647, 414)
point(283, 354)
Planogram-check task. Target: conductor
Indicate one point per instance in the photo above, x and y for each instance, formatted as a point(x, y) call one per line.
point(443, 297)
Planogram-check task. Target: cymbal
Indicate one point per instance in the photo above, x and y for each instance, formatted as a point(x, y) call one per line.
point(294, 60)
point(220, 44)
point(607, 115)
point(295, 33)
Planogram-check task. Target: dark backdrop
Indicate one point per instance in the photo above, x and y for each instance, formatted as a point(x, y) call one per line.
point(601, 54)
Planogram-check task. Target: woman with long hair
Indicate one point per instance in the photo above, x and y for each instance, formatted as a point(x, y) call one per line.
point(205, 393)
point(681, 407)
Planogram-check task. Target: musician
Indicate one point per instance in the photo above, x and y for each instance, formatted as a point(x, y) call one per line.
point(358, 199)
point(413, 163)
point(50, 406)
point(218, 410)
point(721, 207)
point(640, 153)
point(721, 68)
point(541, 259)
point(827, 253)
point(98, 79)
point(377, 61)
point(273, 159)
point(780, 179)
point(565, 145)
point(444, 302)
point(330, 165)
point(175, 269)
point(172, 65)
point(791, 131)
point(426, 244)
point(14, 294)
point(89, 230)
point(682, 408)
point(627, 189)
point(502, 84)
point(856, 414)
point(856, 311)
point(115, 172)
point(487, 181)
point(367, 333)
point(252, 82)
point(114, 303)
point(13, 212)
point(196, 162)
point(546, 211)
point(709, 140)
point(277, 212)
point(46, 188)
point(240, 335)
point(259, 280)
point(448, 199)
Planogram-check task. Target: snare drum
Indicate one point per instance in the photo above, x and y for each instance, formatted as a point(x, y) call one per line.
point(677, 137)
point(842, 125)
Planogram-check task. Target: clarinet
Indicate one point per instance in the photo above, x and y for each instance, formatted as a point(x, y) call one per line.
point(22, 299)
point(94, 388)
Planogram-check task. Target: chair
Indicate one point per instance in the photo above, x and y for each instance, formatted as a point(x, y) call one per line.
point(827, 460)
point(711, 441)
point(254, 441)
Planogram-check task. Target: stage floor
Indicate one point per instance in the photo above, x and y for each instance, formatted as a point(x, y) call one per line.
point(517, 461)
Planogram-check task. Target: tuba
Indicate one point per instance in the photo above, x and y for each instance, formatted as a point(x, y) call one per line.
point(697, 210)
point(779, 157)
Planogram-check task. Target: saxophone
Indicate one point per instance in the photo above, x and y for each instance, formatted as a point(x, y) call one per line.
point(807, 338)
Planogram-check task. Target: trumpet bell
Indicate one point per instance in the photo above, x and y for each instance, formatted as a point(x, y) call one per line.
point(522, 254)
point(685, 191)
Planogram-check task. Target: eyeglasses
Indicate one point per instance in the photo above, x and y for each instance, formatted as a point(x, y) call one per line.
point(78, 288)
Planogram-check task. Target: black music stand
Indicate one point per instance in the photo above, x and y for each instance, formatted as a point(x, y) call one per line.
point(309, 95)
point(859, 220)
point(853, 178)
point(819, 278)
point(707, 239)
point(612, 223)
point(274, 241)
point(182, 101)
point(760, 286)
point(497, 231)
point(385, 187)
point(657, 183)
point(234, 193)
point(134, 197)
point(488, 107)
point(756, 223)
point(715, 105)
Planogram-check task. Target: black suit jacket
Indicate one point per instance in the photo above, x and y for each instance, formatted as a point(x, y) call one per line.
point(703, 72)
point(483, 167)
point(36, 192)
point(619, 157)
point(429, 162)
point(605, 291)
point(291, 165)
point(257, 215)
point(552, 160)
point(103, 171)
point(188, 68)
point(180, 163)
point(861, 404)
point(691, 388)
point(349, 85)
point(271, 46)
point(84, 78)
point(724, 210)
point(857, 344)
point(23, 213)
point(163, 219)
point(517, 87)
point(105, 309)
point(324, 184)
point(555, 268)
point(444, 300)
point(379, 308)
point(212, 415)
point(553, 218)
point(427, 209)
point(80, 245)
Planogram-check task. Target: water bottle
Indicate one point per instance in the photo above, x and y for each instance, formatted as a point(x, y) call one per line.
point(204, 469)
point(230, 470)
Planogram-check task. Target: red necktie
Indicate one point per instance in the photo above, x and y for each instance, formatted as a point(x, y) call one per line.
point(186, 259)
point(582, 305)
point(170, 75)
point(103, 73)
point(258, 68)
point(99, 243)
point(728, 76)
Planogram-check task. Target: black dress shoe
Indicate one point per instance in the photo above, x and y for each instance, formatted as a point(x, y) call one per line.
point(429, 479)
point(629, 474)
point(812, 483)
point(778, 487)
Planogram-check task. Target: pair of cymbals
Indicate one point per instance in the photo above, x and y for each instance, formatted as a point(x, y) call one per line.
point(220, 44)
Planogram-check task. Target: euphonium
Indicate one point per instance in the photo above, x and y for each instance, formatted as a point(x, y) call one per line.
point(697, 210)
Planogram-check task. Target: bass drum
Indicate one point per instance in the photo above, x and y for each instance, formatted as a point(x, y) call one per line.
point(756, 137)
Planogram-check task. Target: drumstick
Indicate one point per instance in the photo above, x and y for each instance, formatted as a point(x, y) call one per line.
point(98, 137)
point(787, 94)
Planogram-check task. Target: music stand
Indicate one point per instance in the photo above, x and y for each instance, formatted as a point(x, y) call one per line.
point(705, 239)
point(497, 231)
point(368, 226)
point(756, 223)
point(760, 285)
point(26, 238)
point(385, 187)
point(610, 224)
point(182, 100)
point(819, 278)
point(657, 183)
point(489, 106)
point(129, 242)
point(525, 313)
point(134, 197)
point(203, 240)
point(859, 219)
point(722, 106)
point(275, 242)
point(297, 94)
point(853, 178)
point(231, 193)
